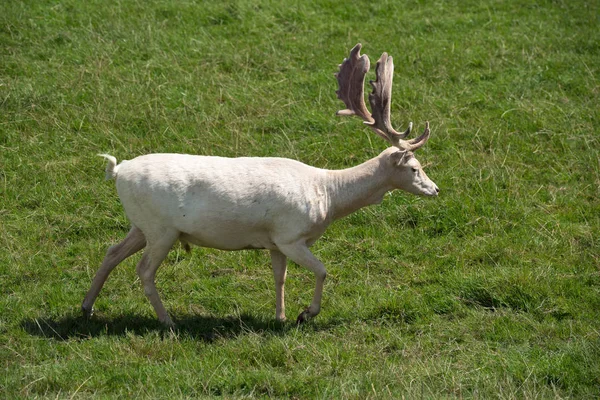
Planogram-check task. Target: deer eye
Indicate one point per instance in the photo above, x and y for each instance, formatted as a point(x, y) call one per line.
point(414, 169)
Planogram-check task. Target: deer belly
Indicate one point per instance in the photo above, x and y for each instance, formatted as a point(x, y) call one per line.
point(224, 239)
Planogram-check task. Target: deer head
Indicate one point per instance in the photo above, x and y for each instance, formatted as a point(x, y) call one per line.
point(408, 173)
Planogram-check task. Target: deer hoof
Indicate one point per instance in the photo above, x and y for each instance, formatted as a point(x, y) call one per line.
point(168, 323)
point(303, 317)
point(87, 313)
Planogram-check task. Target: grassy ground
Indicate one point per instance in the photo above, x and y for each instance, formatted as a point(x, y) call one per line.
point(491, 290)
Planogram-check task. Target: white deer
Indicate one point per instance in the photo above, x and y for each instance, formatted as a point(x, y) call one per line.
point(277, 204)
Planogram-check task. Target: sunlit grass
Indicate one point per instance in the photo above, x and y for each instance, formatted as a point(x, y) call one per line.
point(491, 290)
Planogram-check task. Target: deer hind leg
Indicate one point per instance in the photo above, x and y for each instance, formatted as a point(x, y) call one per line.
point(301, 255)
point(278, 261)
point(156, 251)
point(134, 242)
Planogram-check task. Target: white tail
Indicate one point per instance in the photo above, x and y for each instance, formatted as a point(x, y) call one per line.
point(111, 167)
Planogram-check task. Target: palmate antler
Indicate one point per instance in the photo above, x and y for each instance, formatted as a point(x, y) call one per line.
point(351, 80)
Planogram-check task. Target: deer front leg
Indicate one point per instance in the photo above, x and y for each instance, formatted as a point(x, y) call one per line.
point(301, 255)
point(278, 260)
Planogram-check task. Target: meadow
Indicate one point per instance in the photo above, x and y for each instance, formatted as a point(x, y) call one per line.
point(491, 290)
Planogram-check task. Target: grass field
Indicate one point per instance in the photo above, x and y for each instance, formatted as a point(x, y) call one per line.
point(491, 290)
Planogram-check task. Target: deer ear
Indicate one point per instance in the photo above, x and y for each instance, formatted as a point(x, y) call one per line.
point(400, 157)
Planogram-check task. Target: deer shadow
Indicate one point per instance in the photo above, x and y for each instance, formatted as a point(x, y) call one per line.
point(205, 328)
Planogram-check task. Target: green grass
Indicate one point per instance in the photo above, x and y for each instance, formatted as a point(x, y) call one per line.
point(491, 290)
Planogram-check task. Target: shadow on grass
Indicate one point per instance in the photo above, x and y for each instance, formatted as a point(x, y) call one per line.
point(205, 328)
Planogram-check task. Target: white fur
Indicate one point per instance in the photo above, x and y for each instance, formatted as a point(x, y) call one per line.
point(244, 203)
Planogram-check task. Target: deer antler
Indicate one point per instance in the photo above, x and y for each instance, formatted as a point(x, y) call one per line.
point(380, 99)
point(351, 80)
point(351, 77)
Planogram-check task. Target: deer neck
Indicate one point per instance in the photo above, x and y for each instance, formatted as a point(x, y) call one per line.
point(357, 187)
